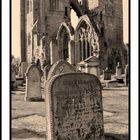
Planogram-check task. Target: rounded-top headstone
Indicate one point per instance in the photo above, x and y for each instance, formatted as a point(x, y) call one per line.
point(59, 67)
point(33, 84)
point(74, 108)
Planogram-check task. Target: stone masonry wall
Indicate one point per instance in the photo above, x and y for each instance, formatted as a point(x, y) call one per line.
point(22, 31)
point(107, 15)
point(53, 19)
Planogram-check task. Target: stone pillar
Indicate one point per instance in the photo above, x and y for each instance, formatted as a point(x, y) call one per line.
point(22, 31)
point(54, 51)
point(71, 52)
point(33, 44)
point(86, 52)
point(60, 46)
point(82, 46)
point(90, 49)
point(76, 52)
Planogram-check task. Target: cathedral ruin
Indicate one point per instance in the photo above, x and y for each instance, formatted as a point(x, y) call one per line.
point(47, 32)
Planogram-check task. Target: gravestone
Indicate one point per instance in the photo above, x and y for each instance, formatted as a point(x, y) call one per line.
point(13, 80)
point(74, 109)
point(60, 66)
point(126, 76)
point(107, 74)
point(118, 71)
point(33, 84)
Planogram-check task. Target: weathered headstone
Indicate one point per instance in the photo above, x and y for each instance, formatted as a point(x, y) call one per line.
point(126, 76)
point(107, 74)
point(33, 84)
point(59, 67)
point(74, 108)
point(118, 71)
point(13, 80)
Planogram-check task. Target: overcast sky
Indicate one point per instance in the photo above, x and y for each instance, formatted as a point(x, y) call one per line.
point(16, 25)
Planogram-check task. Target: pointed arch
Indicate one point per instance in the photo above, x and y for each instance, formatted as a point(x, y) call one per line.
point(65, 36)
point(68, 28)
point(88, 38)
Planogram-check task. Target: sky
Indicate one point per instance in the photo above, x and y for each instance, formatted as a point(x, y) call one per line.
point(16, 25)
point(16, 28)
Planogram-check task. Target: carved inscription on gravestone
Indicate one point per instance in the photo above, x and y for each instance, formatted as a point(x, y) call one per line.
point(33, 85)
point(74, 107)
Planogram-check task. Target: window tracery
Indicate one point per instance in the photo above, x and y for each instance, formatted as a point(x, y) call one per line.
point(87, 41)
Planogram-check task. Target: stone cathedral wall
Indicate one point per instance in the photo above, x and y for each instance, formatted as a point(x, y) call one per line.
point(107, 16)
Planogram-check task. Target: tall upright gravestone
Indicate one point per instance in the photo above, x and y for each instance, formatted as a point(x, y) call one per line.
point(126, 79)
point(33, 84)
point(118, 71)
point(74, 108)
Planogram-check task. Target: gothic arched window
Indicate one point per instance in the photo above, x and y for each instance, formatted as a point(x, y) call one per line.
point(63, 43)
point(86, 41)
point(65, 46)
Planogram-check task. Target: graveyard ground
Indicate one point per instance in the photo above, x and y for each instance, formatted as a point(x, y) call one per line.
point(28, 118)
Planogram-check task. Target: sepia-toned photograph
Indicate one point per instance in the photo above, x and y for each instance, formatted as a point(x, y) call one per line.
point(70, 70)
